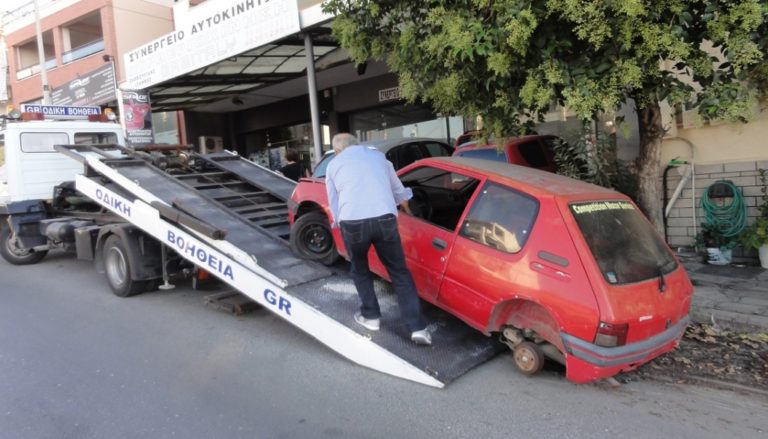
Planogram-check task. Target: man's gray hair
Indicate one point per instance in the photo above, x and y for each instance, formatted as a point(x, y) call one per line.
point(342, 140)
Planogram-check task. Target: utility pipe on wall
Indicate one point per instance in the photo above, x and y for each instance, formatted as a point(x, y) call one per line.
point(41, 56)
point(692, 172)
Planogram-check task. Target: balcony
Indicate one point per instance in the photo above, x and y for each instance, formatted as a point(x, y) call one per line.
point(82, 51)
point(34, 69)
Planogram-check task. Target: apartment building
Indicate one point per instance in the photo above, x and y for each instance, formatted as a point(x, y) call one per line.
point(81, 40)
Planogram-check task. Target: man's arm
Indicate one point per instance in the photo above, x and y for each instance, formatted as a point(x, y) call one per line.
point(400, 192)
point(405, 207)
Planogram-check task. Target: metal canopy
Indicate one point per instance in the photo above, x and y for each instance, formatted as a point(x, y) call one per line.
point(232, 84)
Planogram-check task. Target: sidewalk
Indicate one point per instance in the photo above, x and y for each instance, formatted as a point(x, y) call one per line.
point(733, 297)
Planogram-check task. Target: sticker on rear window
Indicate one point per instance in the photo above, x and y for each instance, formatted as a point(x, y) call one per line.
point(599, 206)
point(611, 277)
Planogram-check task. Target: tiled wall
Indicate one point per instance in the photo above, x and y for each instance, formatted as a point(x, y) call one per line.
point(744, 175)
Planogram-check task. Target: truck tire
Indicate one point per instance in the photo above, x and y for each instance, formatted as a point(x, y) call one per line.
point(311, 238)
point(15, 255)
point(117, 267)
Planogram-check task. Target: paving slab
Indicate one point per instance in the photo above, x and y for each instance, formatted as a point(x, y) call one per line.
point(732, 296)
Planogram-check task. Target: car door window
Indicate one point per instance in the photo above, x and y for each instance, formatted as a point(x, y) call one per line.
point(436, 149)
point(323, 165)
point(406, 154)
point(533, 153)
point(439, 196)
point(500, 218)
point(484, 154)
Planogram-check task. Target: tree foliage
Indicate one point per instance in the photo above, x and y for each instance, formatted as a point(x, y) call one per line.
point(506, 58)
point(509, 60)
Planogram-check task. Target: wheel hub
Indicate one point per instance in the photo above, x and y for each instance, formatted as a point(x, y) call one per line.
point(317, 239)
point(116, 266)
point(13, 247)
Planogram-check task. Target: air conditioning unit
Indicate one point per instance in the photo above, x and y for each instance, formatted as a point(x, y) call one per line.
point(209, 144)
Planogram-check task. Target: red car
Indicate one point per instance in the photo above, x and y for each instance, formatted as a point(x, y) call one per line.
point(533, 151)
point(556, 267)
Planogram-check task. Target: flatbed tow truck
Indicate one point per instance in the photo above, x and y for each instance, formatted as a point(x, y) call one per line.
point(146, 214)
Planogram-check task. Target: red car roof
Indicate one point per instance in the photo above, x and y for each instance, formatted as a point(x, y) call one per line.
point(542, 181)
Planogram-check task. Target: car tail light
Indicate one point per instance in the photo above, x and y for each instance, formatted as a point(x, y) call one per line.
point(611, 334)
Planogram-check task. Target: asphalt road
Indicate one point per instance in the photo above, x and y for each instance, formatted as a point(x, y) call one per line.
point(78, 362)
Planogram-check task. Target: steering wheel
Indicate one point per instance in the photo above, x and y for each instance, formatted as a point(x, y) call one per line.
point(420, 204)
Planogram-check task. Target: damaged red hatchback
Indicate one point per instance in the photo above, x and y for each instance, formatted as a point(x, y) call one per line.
point(557, 268)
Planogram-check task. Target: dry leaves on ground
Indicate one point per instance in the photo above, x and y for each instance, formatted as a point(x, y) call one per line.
point(710, 353)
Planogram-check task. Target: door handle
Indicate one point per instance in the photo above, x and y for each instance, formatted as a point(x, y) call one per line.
point(439, 244)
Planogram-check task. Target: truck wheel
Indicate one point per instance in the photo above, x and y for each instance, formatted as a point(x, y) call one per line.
point(311, 238)
point(528, 357)
point(117, 266)
point(11, 252)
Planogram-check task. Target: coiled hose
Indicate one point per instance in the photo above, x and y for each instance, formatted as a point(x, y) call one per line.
point(730, 219)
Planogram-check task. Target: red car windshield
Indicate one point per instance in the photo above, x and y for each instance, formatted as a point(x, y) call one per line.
point(623, 243)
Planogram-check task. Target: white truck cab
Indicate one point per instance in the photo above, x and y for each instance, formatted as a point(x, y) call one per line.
point(30, 222)
point(32, 166)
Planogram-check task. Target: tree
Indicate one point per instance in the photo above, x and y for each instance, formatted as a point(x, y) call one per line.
point(509, 60)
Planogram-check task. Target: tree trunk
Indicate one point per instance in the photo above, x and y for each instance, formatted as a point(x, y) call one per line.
point(648, 164)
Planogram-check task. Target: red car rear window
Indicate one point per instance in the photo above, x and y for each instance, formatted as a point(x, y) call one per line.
point(623, 243)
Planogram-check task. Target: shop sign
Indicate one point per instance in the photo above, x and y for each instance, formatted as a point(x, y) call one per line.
point(389, 94)
point(93, 88)
point(209, 33)
point(136, 117)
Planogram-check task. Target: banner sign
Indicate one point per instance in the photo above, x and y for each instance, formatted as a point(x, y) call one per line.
point(94, 88)
point(60, 111)
point(211, 32)
point(136, 117)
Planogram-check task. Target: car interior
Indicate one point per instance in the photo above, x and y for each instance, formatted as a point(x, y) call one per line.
point(439, 197)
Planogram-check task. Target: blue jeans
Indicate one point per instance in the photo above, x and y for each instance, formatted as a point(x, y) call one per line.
point(382, 233)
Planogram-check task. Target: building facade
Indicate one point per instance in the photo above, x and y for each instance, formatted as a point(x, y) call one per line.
point(79, 37)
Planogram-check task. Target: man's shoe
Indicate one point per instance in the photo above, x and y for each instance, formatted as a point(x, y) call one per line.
point(370, 324)
point(422, 337)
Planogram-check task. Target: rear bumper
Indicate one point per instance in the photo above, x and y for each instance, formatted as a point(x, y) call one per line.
point(588, 362)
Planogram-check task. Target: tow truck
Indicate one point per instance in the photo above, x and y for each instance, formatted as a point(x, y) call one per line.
point(145, 215)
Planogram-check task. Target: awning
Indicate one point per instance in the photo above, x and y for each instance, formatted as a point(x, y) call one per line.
point(233, 54)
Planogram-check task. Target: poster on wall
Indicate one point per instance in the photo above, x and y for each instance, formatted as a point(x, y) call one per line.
point(276, 157)
point(136, 117)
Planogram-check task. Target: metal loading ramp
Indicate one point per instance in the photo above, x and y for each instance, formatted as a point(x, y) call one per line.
point(456, 348)
point(308, 295)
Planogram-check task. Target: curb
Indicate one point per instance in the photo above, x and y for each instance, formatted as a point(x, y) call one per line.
point(733, 323)
point(712, 383)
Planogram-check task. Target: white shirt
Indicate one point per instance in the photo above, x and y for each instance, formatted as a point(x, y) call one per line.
point(361, 183)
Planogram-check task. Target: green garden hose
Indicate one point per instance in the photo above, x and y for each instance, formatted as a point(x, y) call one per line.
point(730, 219)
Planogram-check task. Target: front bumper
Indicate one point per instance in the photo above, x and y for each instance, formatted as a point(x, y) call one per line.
point(588, 362)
